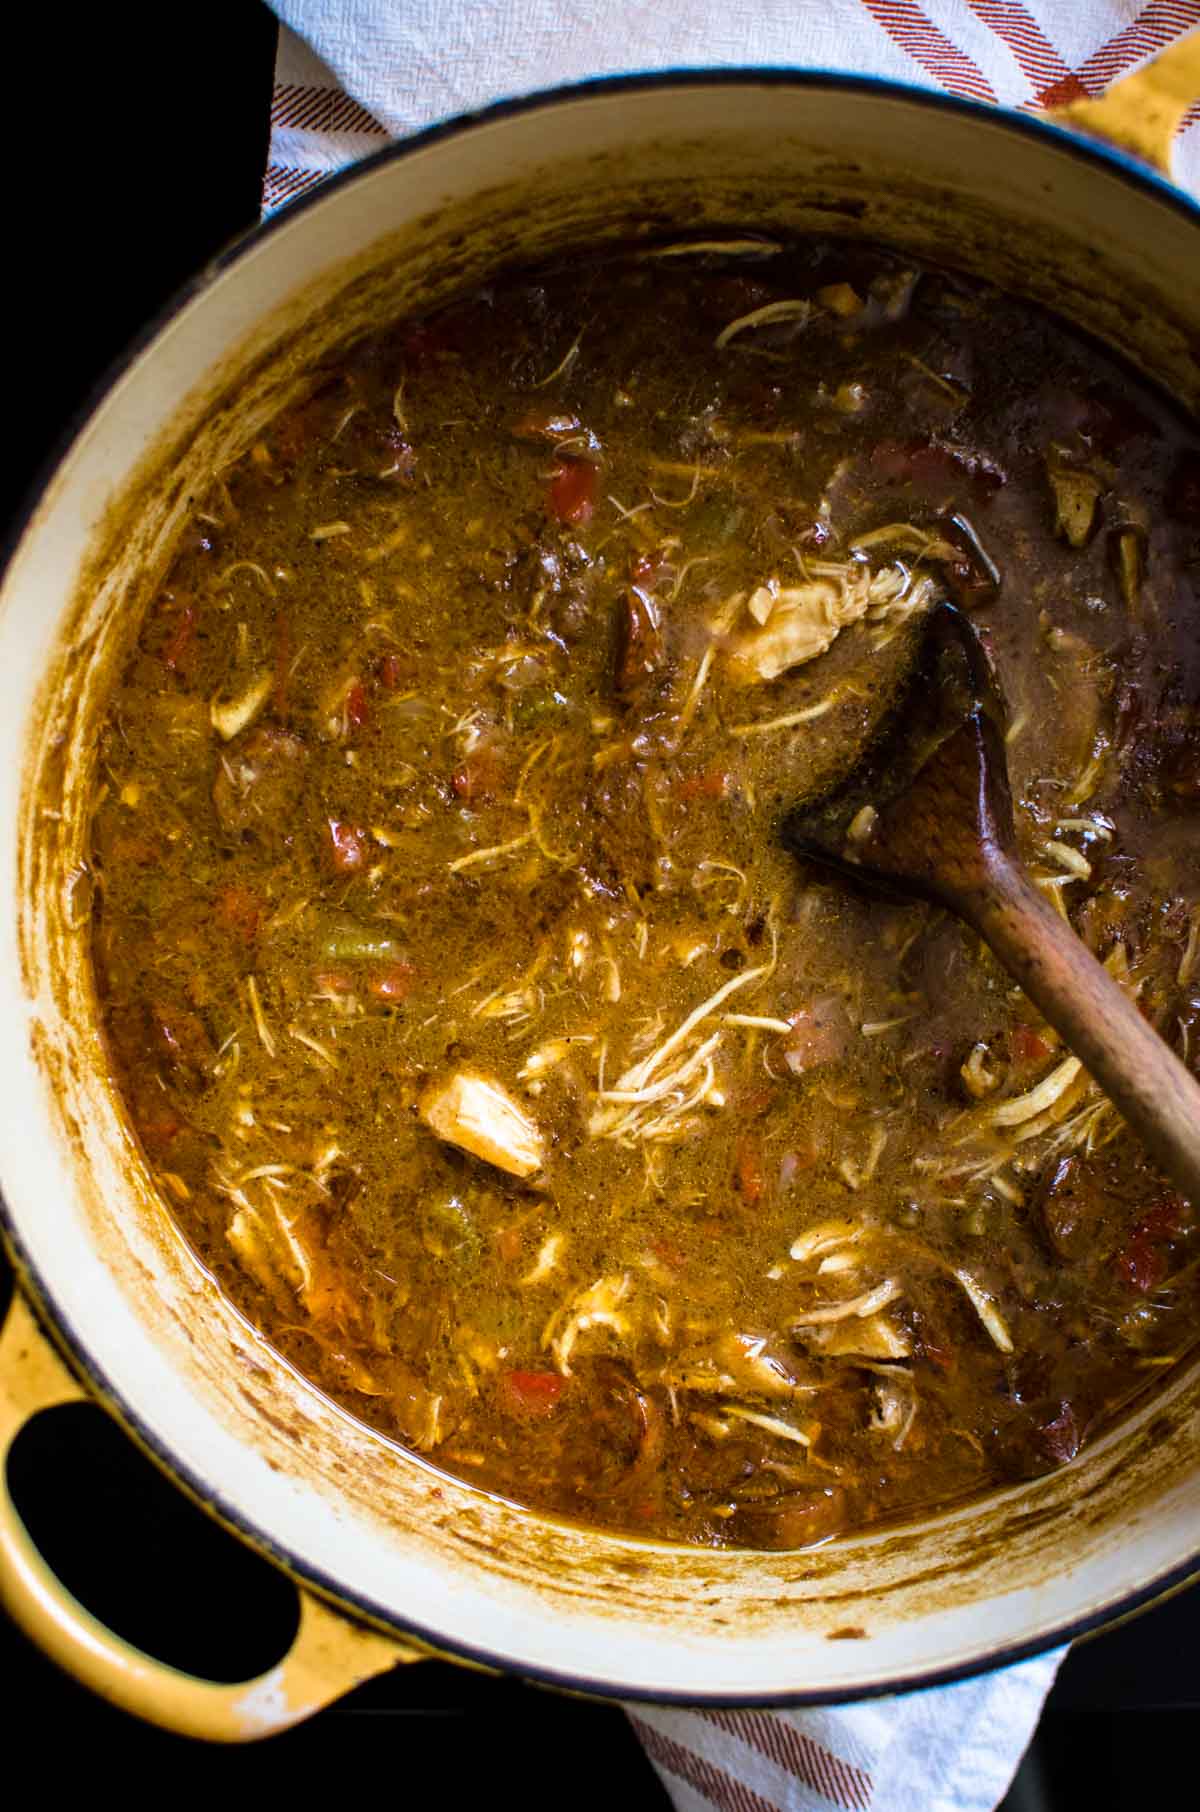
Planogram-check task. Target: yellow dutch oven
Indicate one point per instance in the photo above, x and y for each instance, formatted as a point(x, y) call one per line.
point(392, 1560)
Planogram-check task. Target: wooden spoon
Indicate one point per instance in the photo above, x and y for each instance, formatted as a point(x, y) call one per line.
point(929, 813)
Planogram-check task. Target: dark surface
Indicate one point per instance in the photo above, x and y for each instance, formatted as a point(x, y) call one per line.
point(150, 161)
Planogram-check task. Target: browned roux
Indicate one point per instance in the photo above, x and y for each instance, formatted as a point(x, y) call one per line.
point(479, 1034)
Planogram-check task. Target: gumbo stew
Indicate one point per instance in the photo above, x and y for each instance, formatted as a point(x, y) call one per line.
point(480, 1035)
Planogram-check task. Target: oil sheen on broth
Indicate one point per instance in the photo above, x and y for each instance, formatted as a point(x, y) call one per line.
point(480, 1036)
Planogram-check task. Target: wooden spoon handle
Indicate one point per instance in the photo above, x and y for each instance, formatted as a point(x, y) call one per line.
point(1098, 1022)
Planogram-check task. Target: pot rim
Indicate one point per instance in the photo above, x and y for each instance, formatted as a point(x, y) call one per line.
point(29, 1278)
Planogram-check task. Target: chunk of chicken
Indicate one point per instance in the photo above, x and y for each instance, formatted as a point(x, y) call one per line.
point(231, 713)
point(794, 624)
point(742, 1365)
point(473, 1112)
point(872, 1337)
point(599, 1306)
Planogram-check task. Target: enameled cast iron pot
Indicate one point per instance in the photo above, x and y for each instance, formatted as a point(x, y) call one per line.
point(393, 1560)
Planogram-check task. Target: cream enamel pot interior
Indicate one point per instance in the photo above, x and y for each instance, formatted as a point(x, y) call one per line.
point(422, 1560)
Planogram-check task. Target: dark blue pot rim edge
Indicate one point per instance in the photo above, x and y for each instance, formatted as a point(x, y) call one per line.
point(1093, 152)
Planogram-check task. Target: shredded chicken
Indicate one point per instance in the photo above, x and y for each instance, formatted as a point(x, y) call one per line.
point(796, 623)
point(793, 624)
point(599, 1306)
point(720, 248)
point(771, 314)
point(1187, 962)
point(895, 600)
point(862, 1306)
point(894, 1408)
point(1037, 1100)
point(978, 1079)
point(269, 1249)
point(1075, 864)
point(871, 1337)
point(547, 1258)
point(546, 1057)
point(986, 1310)
point(769, 1424)
point(657, 1097)
point(825, 1238)
point(855, 1175)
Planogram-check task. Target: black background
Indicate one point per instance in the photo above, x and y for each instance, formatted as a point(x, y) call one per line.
point(135, 150)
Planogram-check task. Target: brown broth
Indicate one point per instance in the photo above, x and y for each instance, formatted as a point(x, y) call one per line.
point(443, 760)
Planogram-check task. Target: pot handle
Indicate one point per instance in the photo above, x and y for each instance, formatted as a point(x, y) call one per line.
point(1142, 112)
point(329, 1655)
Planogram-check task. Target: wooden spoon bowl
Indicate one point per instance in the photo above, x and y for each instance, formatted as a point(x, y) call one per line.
point(928, 813)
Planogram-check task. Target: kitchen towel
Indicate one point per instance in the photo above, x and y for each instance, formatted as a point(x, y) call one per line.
point(350, 74)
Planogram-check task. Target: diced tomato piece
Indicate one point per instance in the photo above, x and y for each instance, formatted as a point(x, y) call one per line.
point(392, 983)
point(1169, 1217)
point(239, 910)
point(572, 492)
point(508, 1244)
point(347, 846)
point(1027, 1046)
point(179, 649)
point(531, 1395)
point(157, 1134)
point(181, 1036)
point(757, 1101)
point(647, 569)
point(750, 1179)
point(357, 708)
point(639, 648)
point(332, 982)
point(1144, 1260)
point(668, 1253)
point(388, 672)
point(1060, 1437)
point(479, 776)
point(715, 785)
point(1141, 1265)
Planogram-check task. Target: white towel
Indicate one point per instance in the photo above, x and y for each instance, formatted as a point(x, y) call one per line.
point(352, 73)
